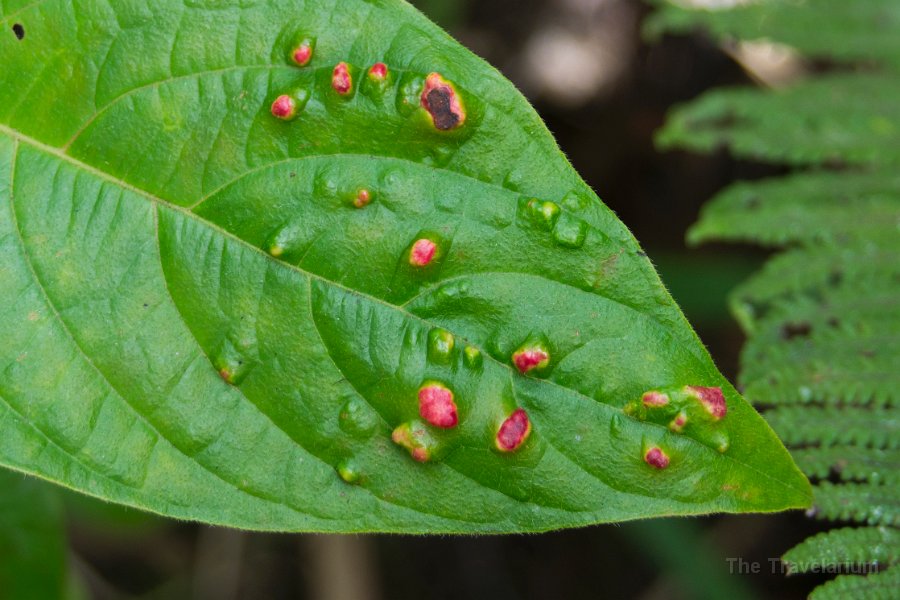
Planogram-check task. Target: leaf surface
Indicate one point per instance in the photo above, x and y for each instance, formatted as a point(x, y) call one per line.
point(216, 314)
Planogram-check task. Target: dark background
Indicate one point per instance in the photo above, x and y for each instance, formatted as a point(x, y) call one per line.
point(603, 93)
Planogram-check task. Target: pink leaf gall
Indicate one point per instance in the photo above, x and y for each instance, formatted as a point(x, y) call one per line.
point(651, 399)
point(655, 457)
point(415, 438)
point(422, 252)
point(530, 358)
point(436, 405)
point(378, 71)
point(284, 107)
point(712, 400)
point(513, 431)
point(302, 54)
point(341, 80)
point(363, 197)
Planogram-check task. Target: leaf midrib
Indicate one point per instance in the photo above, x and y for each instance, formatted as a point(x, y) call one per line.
point(22, 138)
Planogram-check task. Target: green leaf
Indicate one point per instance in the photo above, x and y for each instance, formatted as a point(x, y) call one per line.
point(32, 539)
point(216, 314)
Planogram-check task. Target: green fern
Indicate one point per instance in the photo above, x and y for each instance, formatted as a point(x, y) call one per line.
point(880, 586)
point(850, 463)
point(849, 545)
point(859, 31)
point(823, 316)
point(826, 426)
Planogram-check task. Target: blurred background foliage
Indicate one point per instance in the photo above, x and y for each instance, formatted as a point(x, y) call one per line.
point(603, 91)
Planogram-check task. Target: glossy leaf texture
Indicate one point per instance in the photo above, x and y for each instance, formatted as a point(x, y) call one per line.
point(314, 266)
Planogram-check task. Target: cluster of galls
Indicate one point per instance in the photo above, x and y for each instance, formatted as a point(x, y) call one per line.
point(438, 97)
point(437, 407)
point(692, 410)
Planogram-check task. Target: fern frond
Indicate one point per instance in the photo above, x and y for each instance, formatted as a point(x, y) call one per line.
point(823, 365)
point(869, 503)
point(850, 463)
point(861, 30)
point(844, 547)
point(818, 207)
point(815, 273)
point(822, 318)
point(847, 118)
point(830, 426)
point(878, 586)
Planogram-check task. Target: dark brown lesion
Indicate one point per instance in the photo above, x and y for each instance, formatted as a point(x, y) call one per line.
point(440, 106)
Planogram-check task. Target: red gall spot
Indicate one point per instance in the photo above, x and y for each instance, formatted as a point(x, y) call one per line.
point(514, 431)
point(440, 99)
point(378, 71)
point(363, 197)
point(341, 80)
point(678, 422)
point(302, 54)
point(712, 399)
point(226, 375)
point(655, 457)
point(531, 358)
point(437, 407)
point(415, 438)
point(284, 107)
point(652, 399)
point(422, 252)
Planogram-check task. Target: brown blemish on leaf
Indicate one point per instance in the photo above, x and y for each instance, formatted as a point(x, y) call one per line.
point(443, 103)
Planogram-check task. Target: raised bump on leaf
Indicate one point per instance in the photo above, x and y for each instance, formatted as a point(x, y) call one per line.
point(285, 240)
point(414, 436)
point(472, 357)
point(513, 432)
point(533, 355)
point(569, 231)
point(654, 399)
point(232, 365)
point(357, 419)
point(712, 400)
point(440, 345)
point(302, 52)
point(341, 79)
point(409, 93)
point(678, 423)
point(422, 252)
point(721, 441)
point(288, 106)
point(539, 213)
point(284, 108)
point(348, 470)
point(656, 458)
point(363, 197)
point(378, 72)
point(436, 405)
point(441, 100)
